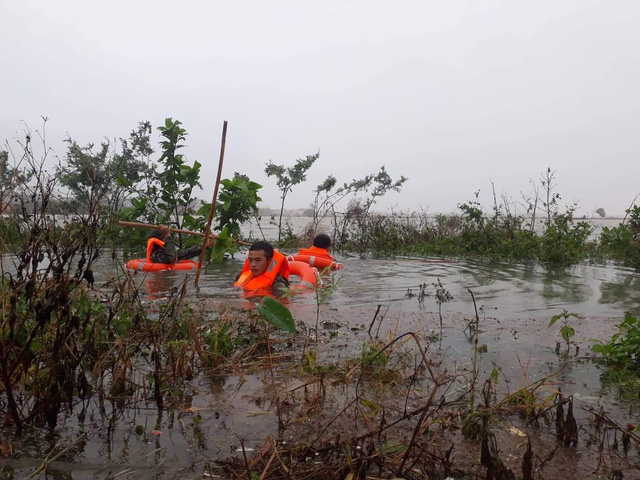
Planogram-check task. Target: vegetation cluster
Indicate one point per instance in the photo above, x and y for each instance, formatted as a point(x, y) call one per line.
point(63, 341)
point(535, 229)
point(542, 232)
point(121, 181)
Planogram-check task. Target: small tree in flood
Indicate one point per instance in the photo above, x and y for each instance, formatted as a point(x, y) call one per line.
point(165, 192)
point(108, 173)
point(178, 179)
point(355, 225)
point(288, 177)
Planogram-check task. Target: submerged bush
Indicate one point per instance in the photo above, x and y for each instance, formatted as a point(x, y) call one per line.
point(623, 242)
point(60, 337)
point(474, 235)
point(563, 241)
point(504, 235)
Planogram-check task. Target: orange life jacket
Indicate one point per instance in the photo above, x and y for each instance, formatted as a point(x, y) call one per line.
point(264, 282)
point(151, 244)
point(316, 252)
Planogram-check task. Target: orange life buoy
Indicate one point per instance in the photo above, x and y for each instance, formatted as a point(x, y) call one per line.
point(147, 266)
point(308, 275)
point(318, 262)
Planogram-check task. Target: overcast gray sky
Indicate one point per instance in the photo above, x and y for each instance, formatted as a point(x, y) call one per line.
point(448, 93)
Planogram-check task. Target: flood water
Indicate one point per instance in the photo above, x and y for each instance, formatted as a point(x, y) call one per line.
point(508, 291)
point(515, 302)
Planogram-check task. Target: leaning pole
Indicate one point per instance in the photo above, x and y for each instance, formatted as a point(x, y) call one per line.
point(213, 202)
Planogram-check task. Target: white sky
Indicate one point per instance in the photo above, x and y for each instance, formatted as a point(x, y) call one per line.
point(448, 93)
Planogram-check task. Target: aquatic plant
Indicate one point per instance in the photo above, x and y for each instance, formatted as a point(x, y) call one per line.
point(441, 296)
point(329, 194)
point(323, 290)
point(177, 179)
point(566, 331)
point(564, 241)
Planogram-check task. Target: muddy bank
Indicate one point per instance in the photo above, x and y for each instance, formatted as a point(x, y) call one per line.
point(353, 401)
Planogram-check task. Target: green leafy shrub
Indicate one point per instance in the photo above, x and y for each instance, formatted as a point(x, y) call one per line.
point(237, 203)
point(623, 242)
point(564, 241)
point(623, 348)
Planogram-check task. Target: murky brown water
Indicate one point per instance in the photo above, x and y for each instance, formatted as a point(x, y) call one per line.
point(517, 302)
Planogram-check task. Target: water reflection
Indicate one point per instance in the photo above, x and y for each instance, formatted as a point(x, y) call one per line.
point(159, 285)
point(622, 290)
point(509, 290)
point(562, 285)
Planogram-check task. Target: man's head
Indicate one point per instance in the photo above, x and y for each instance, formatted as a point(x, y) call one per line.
point(260, 254)
point(161, 233)
point(322, 241)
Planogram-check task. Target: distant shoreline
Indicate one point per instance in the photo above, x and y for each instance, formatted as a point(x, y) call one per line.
point(297, 214)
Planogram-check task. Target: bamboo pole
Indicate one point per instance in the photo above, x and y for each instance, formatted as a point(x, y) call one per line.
point(174, 230)
point(213, 201)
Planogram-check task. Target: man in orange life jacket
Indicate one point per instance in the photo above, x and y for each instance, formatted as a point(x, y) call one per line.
point(320, 248)
point(264, 269)
point(166, 251)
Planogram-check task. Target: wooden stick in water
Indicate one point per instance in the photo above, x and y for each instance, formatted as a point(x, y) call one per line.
point(213, 201)
point(150, 226)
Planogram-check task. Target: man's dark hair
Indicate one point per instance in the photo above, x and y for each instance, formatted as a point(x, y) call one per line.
point(322, 241)
point(264, 246)
point(156, 234)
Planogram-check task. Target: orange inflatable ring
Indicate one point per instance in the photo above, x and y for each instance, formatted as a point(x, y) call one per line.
point(145, 266)
point(318, 262)
point(308, 275)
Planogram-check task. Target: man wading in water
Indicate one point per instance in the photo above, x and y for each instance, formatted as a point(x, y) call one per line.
point(165, 251)
point(265, 269)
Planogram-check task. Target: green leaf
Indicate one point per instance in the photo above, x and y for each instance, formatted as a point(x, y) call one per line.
point(567, 332)
point(277, 315)
point(204, 209)
point(391, 447)
point(35, 346)
point(603, 349)
point(372, 406)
